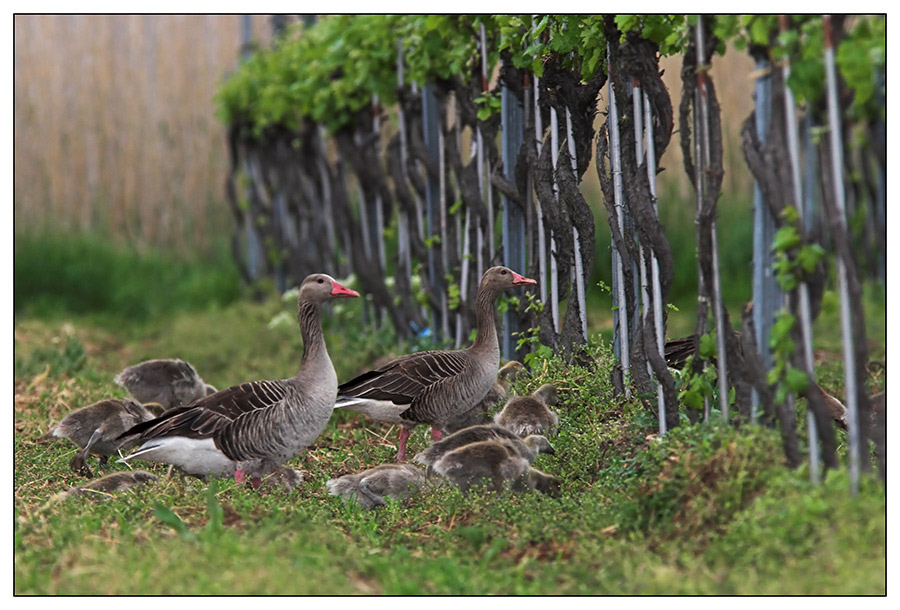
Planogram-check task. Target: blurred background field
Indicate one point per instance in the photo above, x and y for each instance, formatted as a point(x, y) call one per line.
point(118, 154)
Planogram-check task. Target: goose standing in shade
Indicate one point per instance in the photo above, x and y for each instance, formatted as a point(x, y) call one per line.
point(252, 428)
point(434, 387)
point(526, 415)
point(528, 447)
point(370, 487)
point(480, 413)
point(171, 383)
point(95, 428)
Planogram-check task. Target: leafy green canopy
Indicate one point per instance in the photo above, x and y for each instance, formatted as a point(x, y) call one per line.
point(329, 72)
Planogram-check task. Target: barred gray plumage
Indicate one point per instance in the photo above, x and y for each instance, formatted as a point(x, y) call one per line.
point(252, 428)
point(435, 387)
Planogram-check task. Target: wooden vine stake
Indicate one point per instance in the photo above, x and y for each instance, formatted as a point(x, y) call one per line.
point(850, 380)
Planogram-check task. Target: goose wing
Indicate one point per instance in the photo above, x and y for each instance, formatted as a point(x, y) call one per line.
point(211, 414)
point(402, 380)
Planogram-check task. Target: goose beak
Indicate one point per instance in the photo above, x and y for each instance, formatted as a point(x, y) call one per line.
point(341, 291)
point(521, 280)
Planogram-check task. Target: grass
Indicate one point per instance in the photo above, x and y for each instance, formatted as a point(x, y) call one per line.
point(707, 510)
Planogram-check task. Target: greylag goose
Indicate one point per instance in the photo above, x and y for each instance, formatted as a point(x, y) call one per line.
point(370, 487)
point(95, 428)
point(117, 481)
point(252, 428)
point(171, 383)
point(480, 413)
point(528, 447)
point(434, 387)
point(492, 463)
point(526, 415)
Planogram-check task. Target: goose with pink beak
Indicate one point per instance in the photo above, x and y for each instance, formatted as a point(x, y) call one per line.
point(434, 387)
point(252, 428)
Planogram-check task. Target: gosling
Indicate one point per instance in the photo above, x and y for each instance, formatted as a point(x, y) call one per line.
point(480, 413)
point(524, 415)
point(535, 480)
point(171, 383)
point(528, 448)
point(94, 428)
point(117, 481)
point(369, 488)
point(491, 463)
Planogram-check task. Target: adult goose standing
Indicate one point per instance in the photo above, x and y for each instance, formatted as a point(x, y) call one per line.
point(434, 387)
point(171, 383)
point(95, 428)
point(370, 487)
point(480, 413)
point(528, 447)
point(526, 415)
point(252, 428)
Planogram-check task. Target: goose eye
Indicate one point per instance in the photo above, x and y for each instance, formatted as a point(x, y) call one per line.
point(320, 280)
point(503, 272)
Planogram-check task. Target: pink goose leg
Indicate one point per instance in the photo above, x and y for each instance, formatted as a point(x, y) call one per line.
point(239, 476)
point(401, 452)
point(435, 434)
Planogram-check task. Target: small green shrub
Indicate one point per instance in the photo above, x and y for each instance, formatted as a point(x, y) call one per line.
point(695, 479)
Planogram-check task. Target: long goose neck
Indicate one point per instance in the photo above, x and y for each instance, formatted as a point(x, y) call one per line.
point(486, 338)
point(310, 318)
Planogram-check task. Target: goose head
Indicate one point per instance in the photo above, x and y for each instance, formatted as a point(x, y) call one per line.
point(510, 371)
point(539, 444)
point(546, 394)
point(499, 278)
point(320, 287)
point(544, 483)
